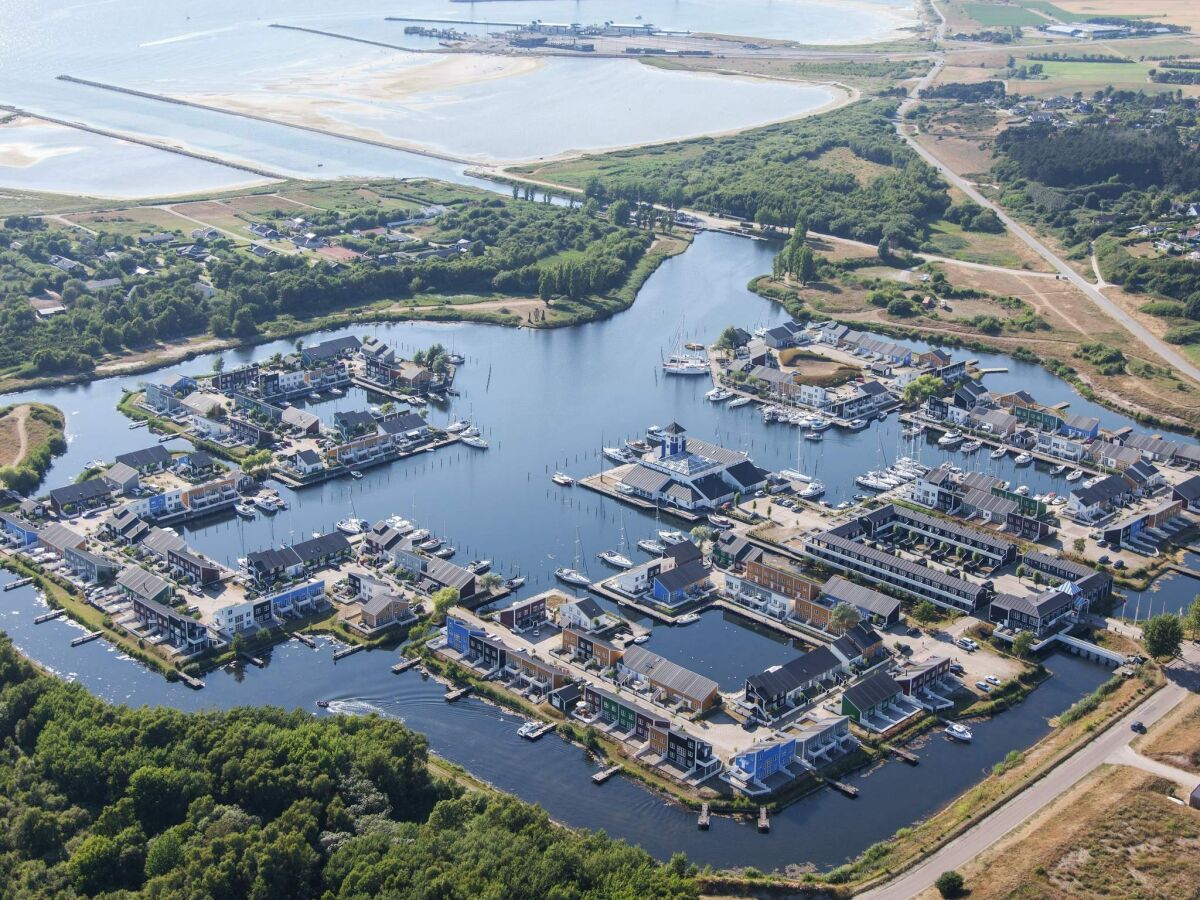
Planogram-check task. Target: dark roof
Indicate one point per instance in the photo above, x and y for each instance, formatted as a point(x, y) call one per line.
point(670, 675)
point(747, 474)
point(156, 455)
point(91, 489)
point(872, 690)
point(683, 576)
point(332, 347)
point(674, 428)
point(325, 545)
point(1039, 605)
point(589, 607)
point(402, 422)
point(859, 596)
point(863, 636)
point(1102, 491)
point(682, 552)
point(1188, 490)
point(448, 574)
point(815, 664)
point(161, 541)
point(643, 478)
point(145, 584)
point(354, 419)
point(200, 459)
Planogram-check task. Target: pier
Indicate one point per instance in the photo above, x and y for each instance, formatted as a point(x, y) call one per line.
point(540, 731)
point(764, 823)
point(704, 819)
point(85, 638)
point(650, 611)
point(194, 683)
point(989, 440)
point(404, 665)
point(848, 789)
point(455, 22)
point(253, 660)
point(604, 774)
point(456, 694)
point(305, 640)
point(347, 651)
point(46, 617)
point(907, 755)
point(20, 582)
point(603, 483)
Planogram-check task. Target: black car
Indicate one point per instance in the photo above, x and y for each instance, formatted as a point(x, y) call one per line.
point(914, 632)
point(1138, 727)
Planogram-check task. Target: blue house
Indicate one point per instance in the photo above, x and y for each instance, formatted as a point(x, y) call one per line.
point(1081, 427)
point(459, 634)
point(762, 761)
point(20, 530)
point(674, 586)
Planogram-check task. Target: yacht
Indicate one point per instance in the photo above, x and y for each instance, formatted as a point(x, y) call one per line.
point(562, 478)
point(811, 491)
point(445, 552)
point(456, 359)
point(999, 453)
point(615, 559)
point(470, 431)
point(673, 537)
point(1058, 470)
point(819, 424)
point(654, 548)
point(814, 436)
point(642, 638)
point(971, 446)
point(913, 430)
point(957, 732)
point(430, 544)
point(419, 535)
point(950, 439)
point(1075, 475)
point(1023, 459)
point(571, 576)
point(351, 526)
point(682, 364)
point(479, 566)
point(637, 446)
point(688, 619)
point(718, 395)
point(617, 454)
point(402, 526)
point(456, 427)
point(720, 521)
point(740, 401)
point(1023, 490)
point(355, 474)
point(858, 424)
point(527, 729)
point(265, 503)
point(243, 510)
point(873, 482)
point(475, 441)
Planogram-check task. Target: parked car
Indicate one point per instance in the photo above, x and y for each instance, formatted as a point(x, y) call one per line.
point(984, 686)
point(992, 679)
point(1138, 727)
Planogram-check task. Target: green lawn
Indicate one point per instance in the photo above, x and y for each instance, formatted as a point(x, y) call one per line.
point(1074, 76)
point(995, 15)
point(1054, 12)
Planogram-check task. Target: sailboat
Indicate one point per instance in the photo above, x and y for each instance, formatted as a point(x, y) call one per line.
point(617, 558)
point(572, 574)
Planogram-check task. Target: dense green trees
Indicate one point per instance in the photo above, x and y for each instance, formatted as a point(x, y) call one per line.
point(264, 803)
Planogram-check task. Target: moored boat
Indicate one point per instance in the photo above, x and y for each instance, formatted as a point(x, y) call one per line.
point(950, 439)
point(571, 576)
point(957, 732)
point(562, 478)
point(652, 547)
point(615, 559)
point(1023, 459)
point(1075, 475)
point(476, 442)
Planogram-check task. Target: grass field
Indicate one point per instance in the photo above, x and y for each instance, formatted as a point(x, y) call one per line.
point(1067, 77)
point(132, 220)
point(1176, 741)
point(999, 15)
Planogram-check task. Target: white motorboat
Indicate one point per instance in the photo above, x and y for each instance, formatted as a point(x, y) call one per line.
point(720, 521)
point(957, 732)
point(527, 729)
point(246, 512)
point(858, 424)
point(615, 559)
point(971, 446)
point(873, 482)
point(1075, 475)
point(637, 446)
point(571, 576)
point(642, 638)
point(479, 566)
point(1023, 491)
point(445, 552)
point(314, 396)
point(740, 401)
point(430, 545)
point(654, 548)
point(818, 424)
point(623, 488)
point(419, 535)
point(562, 478)
point(950, 439)
point(814, 436)
point(688, 619)
point(673, 537)
point(811, 491)
point(470, 431)
point(351, 526)
point(617, 454)
point(718, 395)
point(1058, 470)
point(476, 442)
point(999, 453)
point(513, 583)
point(401, 526)
point(355, 474)
point(265, 503)
point(1023, 459)
point(457, 427)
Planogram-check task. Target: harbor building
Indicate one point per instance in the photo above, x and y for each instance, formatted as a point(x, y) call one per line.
point(1094, 584)
point(691, 474)
point(1039, 613)
point(874, 607)
point(892, 520)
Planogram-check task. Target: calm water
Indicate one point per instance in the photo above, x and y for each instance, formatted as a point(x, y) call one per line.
point(501, 504)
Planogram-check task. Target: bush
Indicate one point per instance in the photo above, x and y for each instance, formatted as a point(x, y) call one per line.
point(949, 884)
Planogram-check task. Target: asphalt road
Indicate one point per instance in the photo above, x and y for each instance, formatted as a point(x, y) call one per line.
point(969, 845)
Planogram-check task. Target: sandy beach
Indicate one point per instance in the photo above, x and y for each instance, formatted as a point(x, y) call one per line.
point(23, 154)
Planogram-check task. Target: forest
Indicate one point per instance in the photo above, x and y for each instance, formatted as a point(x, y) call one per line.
point(262, 803)
point(155, 295)
point(774, 174)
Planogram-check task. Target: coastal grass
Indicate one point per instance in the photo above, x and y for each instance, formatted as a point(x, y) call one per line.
point(997, 15)
point(26, 461)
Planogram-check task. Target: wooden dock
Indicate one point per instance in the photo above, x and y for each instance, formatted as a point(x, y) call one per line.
point(347, 651)
point(604, 774)
point(305, 639)
point(704, 819)
point(20, 582)
point(405, 664)
point(848, 789)
point(539, 732)
point(46, 617)
point(253, 660)
point(907, 755)
point(457, 694)
point(194, 683)
point(85, 638)
point(764, 823)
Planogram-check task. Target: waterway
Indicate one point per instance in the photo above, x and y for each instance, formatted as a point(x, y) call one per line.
point(549, 400)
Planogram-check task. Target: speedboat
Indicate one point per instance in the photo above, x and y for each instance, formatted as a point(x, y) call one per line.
point(475, 441)
point(351, 526)
point(1023, 459)
point(457, 427)
point(811, 491)
point(718, 395)
point(246, 512)
point(456, 359)
point(720, 521)
point(615, 559)
point(528, 728)
point(957, 732)
point(617, 454)
point(654, 548)
point(1058, 470)
point(971, 446)
point(562, 478)
point(479, 566)
point(673, 537)
point(950, 439)
point(1075, 475)
point(688, 619)
point(999, 453)
point(355, 474)
point(814, 436)
point(571, 576)
point(642, 638)
point(740, 401)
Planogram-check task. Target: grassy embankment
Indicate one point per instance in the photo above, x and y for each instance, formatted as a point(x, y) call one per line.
point(31, 435)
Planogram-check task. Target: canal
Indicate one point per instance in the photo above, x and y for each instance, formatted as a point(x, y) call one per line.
point(549, 400)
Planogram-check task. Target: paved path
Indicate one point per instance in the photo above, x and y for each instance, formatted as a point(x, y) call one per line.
point(973, 842)
point(1127, 756)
